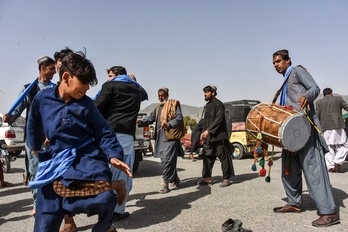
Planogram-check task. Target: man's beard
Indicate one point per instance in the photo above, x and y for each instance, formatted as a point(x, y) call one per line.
point(207, 98)
point(163, 101)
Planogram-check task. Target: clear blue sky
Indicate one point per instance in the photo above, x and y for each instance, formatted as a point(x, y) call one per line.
point(183, 45)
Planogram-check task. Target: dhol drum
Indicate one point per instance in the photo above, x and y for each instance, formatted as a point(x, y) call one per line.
point(279, 125)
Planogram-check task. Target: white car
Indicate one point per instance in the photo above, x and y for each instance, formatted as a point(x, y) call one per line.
point(13, 135)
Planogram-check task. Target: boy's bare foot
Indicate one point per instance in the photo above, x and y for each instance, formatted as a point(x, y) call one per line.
point(112, 229)
point(69, 225)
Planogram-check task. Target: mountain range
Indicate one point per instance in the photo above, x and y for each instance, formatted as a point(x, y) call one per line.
point(192, 111)
point(196, 112)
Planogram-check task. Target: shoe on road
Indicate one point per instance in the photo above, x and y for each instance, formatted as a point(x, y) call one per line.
point(225, 183)
point(288, 209)
point(326, 220)
point(120, 216)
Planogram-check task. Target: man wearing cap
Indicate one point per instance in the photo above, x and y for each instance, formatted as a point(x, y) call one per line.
point(119, 102)
point(46, 71)
point(299, 92)
point(215, 138)
point(169, 129)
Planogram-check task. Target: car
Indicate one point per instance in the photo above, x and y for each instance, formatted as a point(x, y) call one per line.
point(186, 142)
point(13, 134)
point(141, 142)
point(236, 113)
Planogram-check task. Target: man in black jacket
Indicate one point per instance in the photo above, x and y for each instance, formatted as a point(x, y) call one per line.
point(215, 137)
point(119, 102)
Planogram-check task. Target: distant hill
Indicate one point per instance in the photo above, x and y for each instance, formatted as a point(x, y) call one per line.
point(196, 112)
point(192, 111)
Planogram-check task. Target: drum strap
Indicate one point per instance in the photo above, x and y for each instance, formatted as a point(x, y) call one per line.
point(311, 121)
point(279, 91)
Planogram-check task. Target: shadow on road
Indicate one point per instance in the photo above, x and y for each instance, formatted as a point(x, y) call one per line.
point(148, 168)
point(160, 210)
point(17, 206)
point(309, 204)
point(13, 191)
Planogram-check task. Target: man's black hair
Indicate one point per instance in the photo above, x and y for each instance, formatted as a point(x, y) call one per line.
point(327, 91)
point(118, 70)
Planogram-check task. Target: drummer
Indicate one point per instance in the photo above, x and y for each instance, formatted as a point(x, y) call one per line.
point(299, 91)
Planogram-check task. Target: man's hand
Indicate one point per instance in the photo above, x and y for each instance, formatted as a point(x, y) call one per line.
point(46, 142)
point(35, 152)
point(7, 118)
point(121, 166)
point(303, 102)
point(166, 125)
point(204, 134)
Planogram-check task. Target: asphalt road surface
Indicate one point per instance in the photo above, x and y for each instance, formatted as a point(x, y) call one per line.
point(190, 207)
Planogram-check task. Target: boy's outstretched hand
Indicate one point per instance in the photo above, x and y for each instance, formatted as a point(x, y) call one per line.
point(121, 166)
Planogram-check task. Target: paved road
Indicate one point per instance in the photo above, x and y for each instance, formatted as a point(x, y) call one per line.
point(189, 208)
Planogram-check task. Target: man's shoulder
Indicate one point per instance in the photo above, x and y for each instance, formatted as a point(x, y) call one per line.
point(218, 102)
point(339, 98)
point(320, 100)
point(331, 98)
point(173, 101)
point(299, 70)
point(214, 104)
point(121, 85)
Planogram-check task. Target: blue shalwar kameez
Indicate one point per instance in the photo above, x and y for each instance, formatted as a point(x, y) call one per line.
point(69, 125)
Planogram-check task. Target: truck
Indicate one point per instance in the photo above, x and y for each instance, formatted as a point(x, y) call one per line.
point(141, 142)
point(236, 113)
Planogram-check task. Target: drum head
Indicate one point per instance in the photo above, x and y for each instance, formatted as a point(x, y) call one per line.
point(295, 132)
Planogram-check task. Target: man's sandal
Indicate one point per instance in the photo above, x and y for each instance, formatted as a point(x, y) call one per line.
point(164, 189)
point(176, 183)
point(4, 184)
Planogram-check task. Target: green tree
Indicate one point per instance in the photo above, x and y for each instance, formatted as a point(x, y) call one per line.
point(188, 121)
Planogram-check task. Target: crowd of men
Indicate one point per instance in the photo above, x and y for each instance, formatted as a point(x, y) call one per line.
point(78, 147)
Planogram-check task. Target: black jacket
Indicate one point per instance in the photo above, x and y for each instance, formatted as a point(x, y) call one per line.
point(215, 121)
point(119, 103)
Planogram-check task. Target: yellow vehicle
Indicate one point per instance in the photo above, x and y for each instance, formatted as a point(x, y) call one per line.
point(236, 113)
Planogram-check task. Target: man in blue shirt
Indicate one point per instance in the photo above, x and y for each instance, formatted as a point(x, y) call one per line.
point(46, 73)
